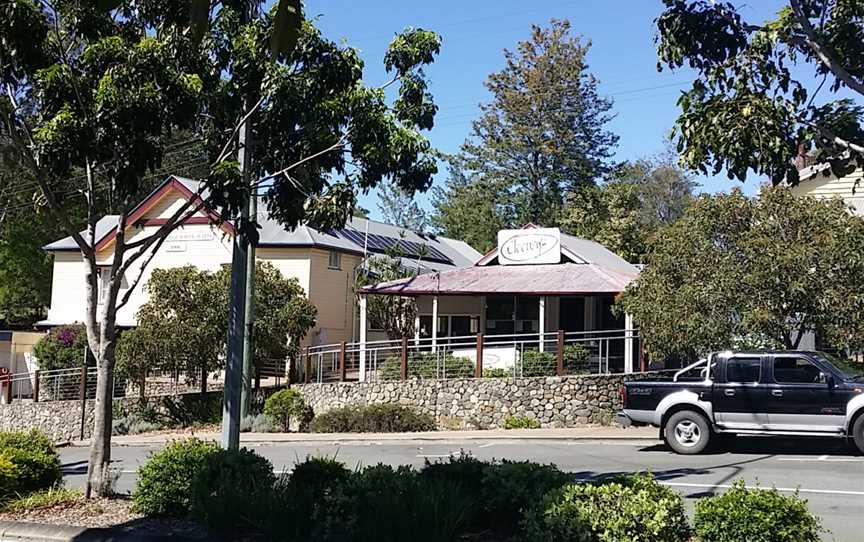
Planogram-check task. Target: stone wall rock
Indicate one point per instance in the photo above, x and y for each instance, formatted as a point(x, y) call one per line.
point(485, 403)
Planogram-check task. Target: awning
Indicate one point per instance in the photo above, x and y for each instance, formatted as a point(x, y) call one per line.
point(551, 279)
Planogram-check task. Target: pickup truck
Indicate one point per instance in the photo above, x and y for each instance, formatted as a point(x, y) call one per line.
point(782, 393)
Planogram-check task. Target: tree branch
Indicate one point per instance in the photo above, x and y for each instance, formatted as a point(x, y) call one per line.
point(284, 171)
point(821, 53)
point(236, 129)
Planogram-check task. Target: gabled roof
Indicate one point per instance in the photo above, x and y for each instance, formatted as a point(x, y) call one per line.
point(273, 234)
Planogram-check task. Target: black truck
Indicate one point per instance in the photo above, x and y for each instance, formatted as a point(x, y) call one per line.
point(783, 393)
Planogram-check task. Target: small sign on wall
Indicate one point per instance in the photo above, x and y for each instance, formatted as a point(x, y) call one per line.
point(529, 246)
point(175, 247)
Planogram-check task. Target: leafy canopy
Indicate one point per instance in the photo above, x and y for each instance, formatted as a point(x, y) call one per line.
point(544, 132)
point(739, 272)
point(756, 102)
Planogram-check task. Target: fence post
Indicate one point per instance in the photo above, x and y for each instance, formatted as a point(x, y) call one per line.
point(258, 378)
point(560, 354)
point(342, 372)
point(307, 367)
point(478, 368)
point(36, 386)
point(9, 389)
point(403, 363)
point(203, 379)
point(83, 394)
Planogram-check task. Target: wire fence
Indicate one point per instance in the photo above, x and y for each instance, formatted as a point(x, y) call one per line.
point(475, 356)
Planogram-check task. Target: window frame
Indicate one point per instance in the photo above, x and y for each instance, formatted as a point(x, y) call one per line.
point(338, 258)
point(759, 359)
point(808, 360)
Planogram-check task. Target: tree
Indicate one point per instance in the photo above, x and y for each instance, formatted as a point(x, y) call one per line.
point(625, 212)
point(283, 313)
point(753, 105)
point(663, 188)
point(399, 208)
point(609, 215)
point(735, 272)
point(544, 133)
point(100, 87)
point(184, 325)
point(393, 314)
point(469, 208)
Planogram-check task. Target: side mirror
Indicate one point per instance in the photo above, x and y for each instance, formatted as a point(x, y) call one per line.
point(828, 379)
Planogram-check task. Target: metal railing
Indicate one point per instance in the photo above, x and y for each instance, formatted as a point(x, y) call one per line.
point(473, 356)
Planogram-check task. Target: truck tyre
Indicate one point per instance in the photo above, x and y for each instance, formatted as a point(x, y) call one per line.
point(858, 433)
point(687, 432)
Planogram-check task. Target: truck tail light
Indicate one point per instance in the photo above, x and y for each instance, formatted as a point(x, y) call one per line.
point(623, 393)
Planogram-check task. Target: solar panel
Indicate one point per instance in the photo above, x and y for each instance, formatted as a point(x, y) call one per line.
point(380, 244)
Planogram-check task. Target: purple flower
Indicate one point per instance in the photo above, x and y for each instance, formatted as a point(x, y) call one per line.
point(67, 336)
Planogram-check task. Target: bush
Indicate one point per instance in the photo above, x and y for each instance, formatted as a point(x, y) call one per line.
point(313, 498)
point(755, 515)
point(521, 422)
point(8, 477)
point(428, 365)
point(633, 508)
point(536, 363)
point(62, 348)
point(35, 459)
point(376, 418)
point(164, 486)
point(497, 372)
point(232, 488)
point(510, 488)
point(284, 405)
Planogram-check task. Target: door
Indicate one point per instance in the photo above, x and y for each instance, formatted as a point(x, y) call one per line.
point(571, 314)
point(800, 399)
point(739, 396)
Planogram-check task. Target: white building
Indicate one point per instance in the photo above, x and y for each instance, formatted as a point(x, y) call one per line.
point(325, 263)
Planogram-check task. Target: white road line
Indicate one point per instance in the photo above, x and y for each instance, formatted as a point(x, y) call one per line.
point(487, 445)
point(784, 489)
point(435, 455)
point(824, 459)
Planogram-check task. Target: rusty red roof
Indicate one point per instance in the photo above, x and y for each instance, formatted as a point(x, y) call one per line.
point(551, 279)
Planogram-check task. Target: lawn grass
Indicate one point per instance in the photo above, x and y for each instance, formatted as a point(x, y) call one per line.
point(45, 498)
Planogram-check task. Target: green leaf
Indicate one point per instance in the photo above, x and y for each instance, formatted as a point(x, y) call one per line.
point(286, 27)
point(199, 18)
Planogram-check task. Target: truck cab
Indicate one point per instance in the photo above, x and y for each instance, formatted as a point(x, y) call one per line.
point(788, 393)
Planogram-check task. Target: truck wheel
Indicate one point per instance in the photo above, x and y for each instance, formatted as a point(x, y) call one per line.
point(858, 433)
point(687, 432)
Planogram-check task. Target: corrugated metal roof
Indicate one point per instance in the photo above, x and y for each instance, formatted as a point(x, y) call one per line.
point(549, 279)
point(274, 234)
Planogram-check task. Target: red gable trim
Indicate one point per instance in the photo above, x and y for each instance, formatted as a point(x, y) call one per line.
point(141, 209)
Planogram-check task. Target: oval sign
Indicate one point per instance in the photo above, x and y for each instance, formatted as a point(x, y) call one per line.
point(529, 247)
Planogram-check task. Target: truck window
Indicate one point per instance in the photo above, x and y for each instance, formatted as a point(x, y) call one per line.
point(794, 370)
point(743, 370)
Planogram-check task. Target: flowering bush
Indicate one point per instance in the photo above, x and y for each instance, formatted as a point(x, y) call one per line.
point(61, 348)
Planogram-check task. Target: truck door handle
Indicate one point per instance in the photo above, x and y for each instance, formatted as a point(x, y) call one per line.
point(777, 393)
point(729, 393)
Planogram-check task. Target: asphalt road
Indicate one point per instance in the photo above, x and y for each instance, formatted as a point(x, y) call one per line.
point(826, 472)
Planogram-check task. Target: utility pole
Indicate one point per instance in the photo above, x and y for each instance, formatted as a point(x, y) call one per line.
point(249, 336)
point(239, 262)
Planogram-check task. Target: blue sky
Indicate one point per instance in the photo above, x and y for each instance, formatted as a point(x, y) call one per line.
point(476, 31)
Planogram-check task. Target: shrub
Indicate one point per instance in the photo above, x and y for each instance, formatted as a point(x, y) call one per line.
point(629, 509)
point(497, 372)
point(755, 515)
point(428, 365)
point(36, 463)
point(510, 488)
point(8, 477)
point(536, 363)
point(46, 498)
point(61, 348)
point(259, 423)
point(232, 488)
point(164, 486)
point(284, 405)
point(376, 418)
point(521, 422)
point(313, 498)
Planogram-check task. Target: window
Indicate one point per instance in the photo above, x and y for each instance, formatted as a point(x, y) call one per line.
point(335, 260)
point(790, 370)
point(743, 370)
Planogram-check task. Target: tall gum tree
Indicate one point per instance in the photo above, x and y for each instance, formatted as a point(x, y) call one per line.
point(99, 87)
point(761, 98)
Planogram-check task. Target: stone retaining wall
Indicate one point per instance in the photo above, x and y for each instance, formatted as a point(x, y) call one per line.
point(487, 402)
